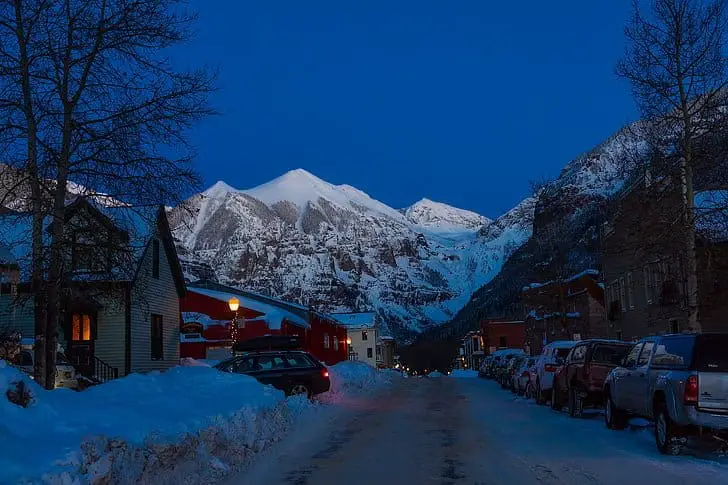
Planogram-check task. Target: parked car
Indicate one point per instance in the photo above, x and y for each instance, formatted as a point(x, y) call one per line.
point(65, 372)
point(501, 368)
point(551, 358)
point(678, 381)
point(522, 377)
point(483, 370)
point(291, 371)
point(512, 371)
point(580, 381)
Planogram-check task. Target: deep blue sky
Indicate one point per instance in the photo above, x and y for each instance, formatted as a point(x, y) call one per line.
point(462, 102)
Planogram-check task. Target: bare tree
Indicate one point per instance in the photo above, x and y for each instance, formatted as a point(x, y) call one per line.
point(115, 114)
point(19, 25)
point(675, 64)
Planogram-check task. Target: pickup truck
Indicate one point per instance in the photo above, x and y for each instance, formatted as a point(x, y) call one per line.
point(580, 381)
point(678, 381)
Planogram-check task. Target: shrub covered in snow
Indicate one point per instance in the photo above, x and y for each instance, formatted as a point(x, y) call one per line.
point(435, 374)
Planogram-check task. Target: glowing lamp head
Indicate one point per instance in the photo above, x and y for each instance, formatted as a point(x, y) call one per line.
point(234, 304)
point(348, 341)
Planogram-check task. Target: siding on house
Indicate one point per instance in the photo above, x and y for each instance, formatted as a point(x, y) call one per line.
point(16, 312)
point(152, 296)
point(111, 327)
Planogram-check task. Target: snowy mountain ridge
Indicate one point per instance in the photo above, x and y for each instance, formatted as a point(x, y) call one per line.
point(334, 247)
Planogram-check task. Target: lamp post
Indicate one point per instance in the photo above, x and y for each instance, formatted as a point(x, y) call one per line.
point(234, 304)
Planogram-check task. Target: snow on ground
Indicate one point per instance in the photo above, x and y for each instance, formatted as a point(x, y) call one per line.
point(435, 374)
point(463, 373)
point(560, 449)
point(192, 422)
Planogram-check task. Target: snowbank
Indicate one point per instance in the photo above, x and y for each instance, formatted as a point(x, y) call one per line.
point(435, 374)
point(138, 429)
point(351, 378)
point(460, 373)
point(191, 424)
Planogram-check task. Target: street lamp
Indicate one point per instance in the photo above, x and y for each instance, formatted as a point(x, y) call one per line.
point(348, 341)
point(234, 304)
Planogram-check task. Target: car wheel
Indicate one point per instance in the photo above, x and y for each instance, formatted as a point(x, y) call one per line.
point(299, 389)
point(666, 433)
point(576, 403)
point(614, 418)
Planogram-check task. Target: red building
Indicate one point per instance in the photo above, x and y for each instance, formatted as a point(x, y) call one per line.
point(500, 334)
point(207, 328)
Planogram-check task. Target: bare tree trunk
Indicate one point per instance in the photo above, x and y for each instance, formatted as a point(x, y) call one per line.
point(37, 286)
point(691, 264)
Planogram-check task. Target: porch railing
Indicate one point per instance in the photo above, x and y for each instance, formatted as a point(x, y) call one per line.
point(103, 371)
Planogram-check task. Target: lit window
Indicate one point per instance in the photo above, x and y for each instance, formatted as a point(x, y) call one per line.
point(81, 328)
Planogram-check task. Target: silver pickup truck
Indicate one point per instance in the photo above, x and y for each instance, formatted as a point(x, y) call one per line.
point(678, 381)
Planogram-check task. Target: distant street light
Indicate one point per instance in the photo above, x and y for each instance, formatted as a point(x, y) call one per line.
point(234, 304)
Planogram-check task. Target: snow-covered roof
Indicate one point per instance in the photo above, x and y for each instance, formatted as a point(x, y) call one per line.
point(203, 319)
point(360, 319)
point(590, 272)
point(274, 315)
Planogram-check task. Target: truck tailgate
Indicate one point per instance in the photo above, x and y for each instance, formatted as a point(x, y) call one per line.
point(713, 391)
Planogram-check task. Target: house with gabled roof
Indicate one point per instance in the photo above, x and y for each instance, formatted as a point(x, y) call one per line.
point(208, 323)
point(122, 287)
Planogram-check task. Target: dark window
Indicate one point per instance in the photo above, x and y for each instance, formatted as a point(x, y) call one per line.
point(89, 254)
point(561, 353)
point(270, 362)
point(157, 337)
point(364, 335)
point(326, 340)
point(674, 327)
point(606, 354)
point(712, 353)
point(155, 259)
point(503, 341)
point(298, 360)
point(369, 353)
point(674, 352)
point(632, 356)
point(645, 354)
point(619, 335)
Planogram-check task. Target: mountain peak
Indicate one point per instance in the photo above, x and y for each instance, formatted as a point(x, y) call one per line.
point(218, 188)
point(439, 216)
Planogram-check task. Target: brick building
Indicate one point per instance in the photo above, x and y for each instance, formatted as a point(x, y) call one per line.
point(571, 309)
point(644, 258)
point(502, 334)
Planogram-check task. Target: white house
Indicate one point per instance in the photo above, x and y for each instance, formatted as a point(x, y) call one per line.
point(361, 328)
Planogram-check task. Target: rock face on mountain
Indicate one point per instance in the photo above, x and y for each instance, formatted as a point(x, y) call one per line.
point(566, 218)
point(334, 247)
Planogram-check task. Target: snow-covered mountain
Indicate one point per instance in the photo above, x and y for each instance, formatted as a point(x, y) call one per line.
point(436, 216)
point(333, 246)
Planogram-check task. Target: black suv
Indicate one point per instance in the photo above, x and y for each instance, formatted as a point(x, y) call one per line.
point(292, 371)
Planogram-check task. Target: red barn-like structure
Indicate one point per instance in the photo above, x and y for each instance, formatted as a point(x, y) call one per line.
point(206, 331)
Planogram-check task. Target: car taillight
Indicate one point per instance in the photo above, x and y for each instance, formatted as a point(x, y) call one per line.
point(525, 374)
point(550, 367)
point(325, 373)
point(691, 390)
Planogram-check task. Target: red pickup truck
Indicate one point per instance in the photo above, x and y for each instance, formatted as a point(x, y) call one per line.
point(580, 381)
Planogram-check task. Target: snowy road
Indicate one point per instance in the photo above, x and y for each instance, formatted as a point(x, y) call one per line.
point(452, 431)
